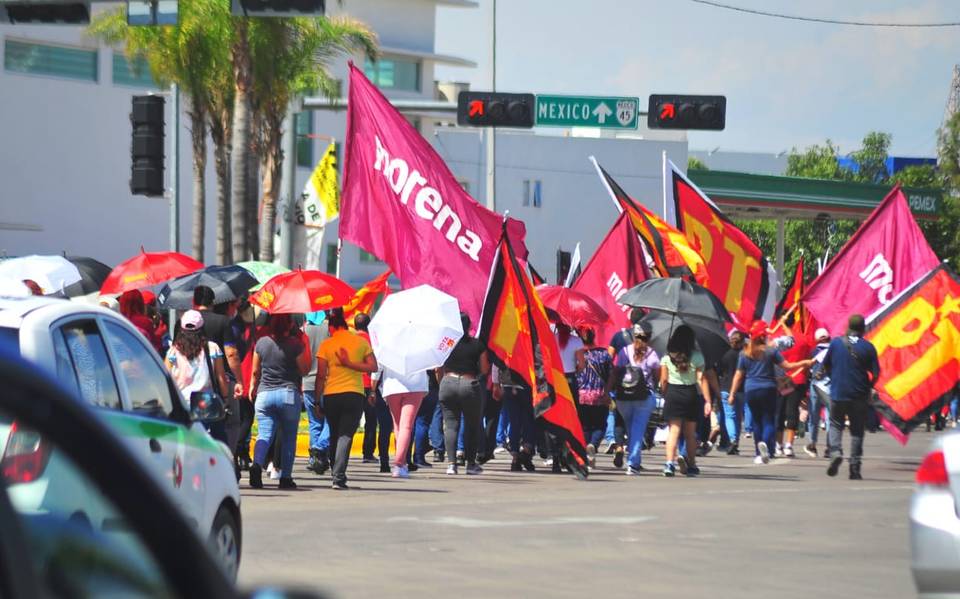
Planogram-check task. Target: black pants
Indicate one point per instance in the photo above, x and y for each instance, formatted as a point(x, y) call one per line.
point(343, 412)
point(594, 421)
point(247, 414)
point(856, 411)
point(790, 418)
point(460, 399)
point(369, 427)
point(491, 420)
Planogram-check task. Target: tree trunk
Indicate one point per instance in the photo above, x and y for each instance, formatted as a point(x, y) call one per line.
point(220, 133)
point(239, 159)
point(253, 184)
point(198, 137)
point(272, 167)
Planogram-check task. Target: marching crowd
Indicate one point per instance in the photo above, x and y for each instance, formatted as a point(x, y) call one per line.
point(767, 390)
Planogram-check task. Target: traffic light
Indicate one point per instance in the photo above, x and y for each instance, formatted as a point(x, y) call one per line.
point(146, 149)
point(674, 111)
point(71, 13)
point(278, 8)
point(495, 109)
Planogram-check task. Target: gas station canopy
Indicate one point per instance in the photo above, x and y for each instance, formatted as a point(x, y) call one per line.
point(744, 195)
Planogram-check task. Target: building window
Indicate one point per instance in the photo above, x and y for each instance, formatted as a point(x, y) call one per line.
point(532, 192)
point(43, 59)
point(368, 258)
point(331, 259)
point(304, 127)
point(394, 73)
point(134, 72)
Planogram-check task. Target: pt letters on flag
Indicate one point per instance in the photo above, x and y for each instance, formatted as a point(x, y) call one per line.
point(402, 204)
point(673, 255)
point(615, 267)
point(885, 256)
point(517, 333)
point(917, 338)
point(739, 272)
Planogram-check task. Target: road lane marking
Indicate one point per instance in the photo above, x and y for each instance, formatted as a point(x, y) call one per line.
point(477, 523)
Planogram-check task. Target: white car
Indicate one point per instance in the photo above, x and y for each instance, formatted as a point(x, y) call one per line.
point(934, 520)
point(111, 367)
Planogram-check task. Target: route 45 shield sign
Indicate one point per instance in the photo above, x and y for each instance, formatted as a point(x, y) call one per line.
point(626, 112)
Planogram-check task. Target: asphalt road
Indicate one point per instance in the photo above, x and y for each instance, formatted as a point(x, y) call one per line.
point(776, 531)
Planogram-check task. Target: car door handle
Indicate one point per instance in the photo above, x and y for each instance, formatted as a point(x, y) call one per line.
point(155, 446)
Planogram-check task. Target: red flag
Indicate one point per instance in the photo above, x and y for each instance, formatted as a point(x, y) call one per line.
point(673, 255)
point(885, 256)
point(365, 297)
point(615, 267)
point(791, 297)
point(917, 337)
point(516, 331)
point(402, 204)
point(739, 272)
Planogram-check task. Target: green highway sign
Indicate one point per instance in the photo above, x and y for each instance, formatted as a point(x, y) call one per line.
point(587, 111)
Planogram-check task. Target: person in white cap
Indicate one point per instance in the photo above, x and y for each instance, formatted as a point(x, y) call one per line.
point(822, 337)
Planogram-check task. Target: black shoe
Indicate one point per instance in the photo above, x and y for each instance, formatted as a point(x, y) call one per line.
point(423, 464)
point(557, 467)
point(322, 466)
point(340, 486)
point(385, 468)
point(236, 470)
point(855, 472)
point(412, 467)
point(438, 455)
point(483, 458)
point(461, 460)
point(734, 450)
point(256, 476)
point(526, 461)
point(618, 458)
point(515, 465)
point(369, 459)
point(244, 462)
point(287, 483)
point(834, 466)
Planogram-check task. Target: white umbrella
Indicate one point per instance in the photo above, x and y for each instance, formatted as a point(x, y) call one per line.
point(52, 273)
point(415, 329)
point(13, 288)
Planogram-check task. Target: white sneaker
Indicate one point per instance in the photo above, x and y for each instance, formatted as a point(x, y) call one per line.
point(759, 460)
point(474, 469)
point(778, 452)
point(394, 471)
point(274, 474)
point(764, 452)
point(592, 455)
point(452, 469)
point(788, 452)
point(403, 472)
point(548, 462)
point(500, 449)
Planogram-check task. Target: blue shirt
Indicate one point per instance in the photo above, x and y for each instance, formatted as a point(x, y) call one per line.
point(848, 376)
point(760, 374)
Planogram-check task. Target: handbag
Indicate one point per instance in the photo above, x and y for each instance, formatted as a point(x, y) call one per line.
point(229, 409)
point(633, 385)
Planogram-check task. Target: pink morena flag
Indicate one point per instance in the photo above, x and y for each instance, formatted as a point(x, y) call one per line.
point(402, 204)
point(616, 266)
point(885, 256)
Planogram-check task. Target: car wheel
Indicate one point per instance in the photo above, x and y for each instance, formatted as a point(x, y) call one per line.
point(225, 541)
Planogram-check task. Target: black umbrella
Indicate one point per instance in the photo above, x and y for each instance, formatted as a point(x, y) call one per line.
point(710, 334)
point(678, 297)
point(92, 275)
point(227, 282)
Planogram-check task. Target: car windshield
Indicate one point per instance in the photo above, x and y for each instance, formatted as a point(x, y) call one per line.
point(9, 336)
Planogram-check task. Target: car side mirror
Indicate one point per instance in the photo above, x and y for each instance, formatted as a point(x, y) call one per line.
point(206, 406)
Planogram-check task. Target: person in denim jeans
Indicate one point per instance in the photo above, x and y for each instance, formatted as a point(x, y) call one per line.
point(319, 431)
point(280, 360)
point(816, 402)
point(635, 400)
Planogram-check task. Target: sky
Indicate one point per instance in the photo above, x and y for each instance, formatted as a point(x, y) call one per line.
point(788, 84)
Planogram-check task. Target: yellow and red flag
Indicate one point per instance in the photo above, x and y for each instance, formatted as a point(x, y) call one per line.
point(917, 337)
point(366, 297)
point(672, 253)
point(739, 273)
point(516, 331)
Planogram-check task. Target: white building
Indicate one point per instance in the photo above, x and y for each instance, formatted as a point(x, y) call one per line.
point(65, 132)
point(65, 149)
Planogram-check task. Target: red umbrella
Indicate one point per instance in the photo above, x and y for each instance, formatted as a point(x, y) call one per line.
point(147, 269)
point(302, 291)
point(574, 308)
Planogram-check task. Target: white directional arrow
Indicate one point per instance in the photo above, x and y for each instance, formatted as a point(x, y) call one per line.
point(602, 111)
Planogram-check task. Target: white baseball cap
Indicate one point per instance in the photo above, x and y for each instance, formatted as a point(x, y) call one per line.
point(821, 333)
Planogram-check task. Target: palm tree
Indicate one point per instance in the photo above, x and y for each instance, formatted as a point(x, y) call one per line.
point(290, 57)
point(190, 54)
point(240, 155)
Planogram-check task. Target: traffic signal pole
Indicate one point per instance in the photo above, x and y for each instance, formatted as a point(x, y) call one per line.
point(175, 169)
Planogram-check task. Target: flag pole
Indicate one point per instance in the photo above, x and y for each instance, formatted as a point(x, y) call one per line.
point(606, 185)
point(663, 154)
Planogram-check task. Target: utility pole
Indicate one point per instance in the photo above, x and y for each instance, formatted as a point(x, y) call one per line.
point(175, 170)
point(288, 188)
point(490, 133)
